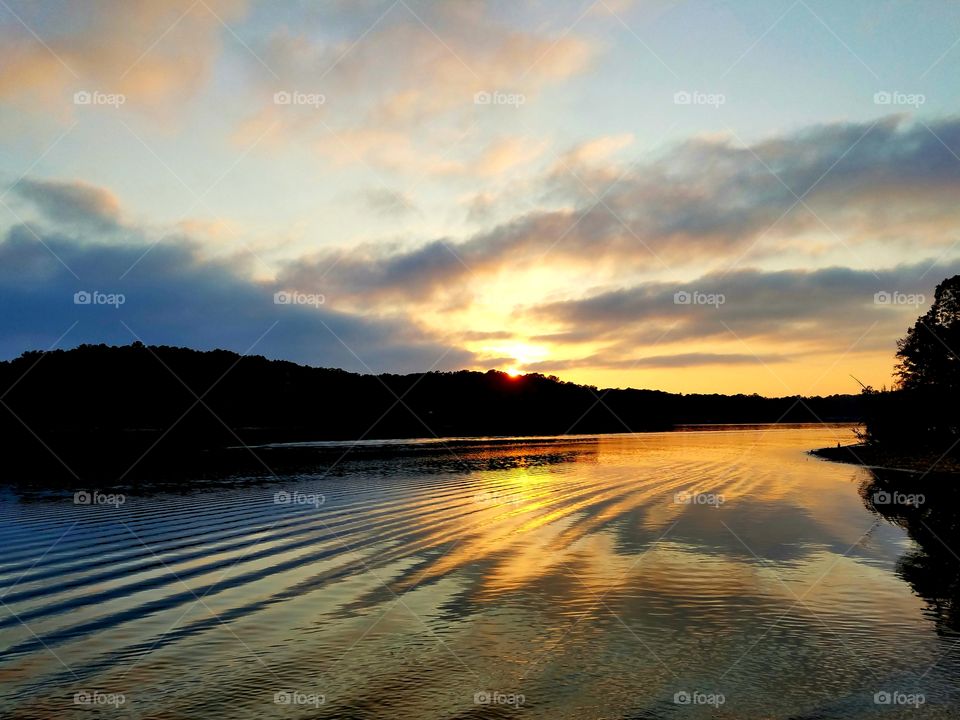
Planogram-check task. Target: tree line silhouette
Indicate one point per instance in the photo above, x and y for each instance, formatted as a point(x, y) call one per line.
point(99, 409)
point(921, 413)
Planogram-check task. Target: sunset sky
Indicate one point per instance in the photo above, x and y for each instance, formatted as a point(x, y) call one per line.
point(749, 196)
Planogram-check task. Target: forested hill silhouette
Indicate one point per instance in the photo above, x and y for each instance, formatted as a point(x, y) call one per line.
point(102, 408)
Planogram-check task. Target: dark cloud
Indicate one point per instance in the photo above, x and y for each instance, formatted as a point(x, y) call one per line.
point(820, 307)
point(72, 203)
point(440, 267)
point(172, 296)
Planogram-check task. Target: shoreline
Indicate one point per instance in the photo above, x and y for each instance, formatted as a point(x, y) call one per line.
point(924, 464)
point(143, 460)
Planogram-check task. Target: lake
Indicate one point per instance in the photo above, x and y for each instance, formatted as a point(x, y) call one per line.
point(707, 573)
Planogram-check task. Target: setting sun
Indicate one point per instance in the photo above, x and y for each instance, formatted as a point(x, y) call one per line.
point(514, 372)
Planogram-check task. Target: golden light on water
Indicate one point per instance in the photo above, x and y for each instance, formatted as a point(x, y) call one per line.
point(529, 560)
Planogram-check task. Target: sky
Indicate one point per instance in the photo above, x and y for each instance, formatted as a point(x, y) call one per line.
point(750, 196)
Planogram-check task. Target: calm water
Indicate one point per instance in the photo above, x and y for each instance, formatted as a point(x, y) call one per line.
point(613, 577)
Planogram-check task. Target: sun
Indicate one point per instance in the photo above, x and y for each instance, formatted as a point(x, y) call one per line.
point(520, 353)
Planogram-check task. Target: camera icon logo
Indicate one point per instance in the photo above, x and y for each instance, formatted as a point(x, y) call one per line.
point(682, 297)
point(82, 97)
point(882, 98)
point(882, 698)
point(682, 98)
point(882, 298)
point(82, 297)
point(881, 497)
point(682, 697)
point(282, 298)
point(482, 98)
point(282, 98)
point(281, 498)
point(82, 497)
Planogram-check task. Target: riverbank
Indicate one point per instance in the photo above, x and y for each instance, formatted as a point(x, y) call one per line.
point(874, 457)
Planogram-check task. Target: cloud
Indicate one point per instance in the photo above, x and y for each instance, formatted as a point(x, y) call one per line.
point(827, 309)
point(598, 149)
point(707, 198)
point(173, 296)
point(389, 203)
point(400, 91)
point(508, 153)
point(473, 335)
point(697, 205)
point(382, 273)
point(113, 46)
point(72, 203)
point(701, 202)
point(678, 360)
point(480, 206)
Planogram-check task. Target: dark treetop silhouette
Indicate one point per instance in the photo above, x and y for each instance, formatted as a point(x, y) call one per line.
point(98, 409)
point(928, 353)
point(921, 413)
point(916, 424)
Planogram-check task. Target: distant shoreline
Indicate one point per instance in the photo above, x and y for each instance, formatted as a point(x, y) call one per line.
point(144, 411)
point(881, 459)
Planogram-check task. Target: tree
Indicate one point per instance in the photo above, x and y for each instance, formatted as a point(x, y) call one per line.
point(928, 354)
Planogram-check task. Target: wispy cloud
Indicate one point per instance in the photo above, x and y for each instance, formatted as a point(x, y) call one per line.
point(158, 53)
